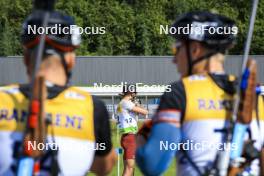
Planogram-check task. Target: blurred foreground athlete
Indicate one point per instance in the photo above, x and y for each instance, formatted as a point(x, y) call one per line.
point(196, 111)
point(80, 121)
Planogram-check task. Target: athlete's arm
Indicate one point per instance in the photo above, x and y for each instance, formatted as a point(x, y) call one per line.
point(129, 105)
point(155, 155)
point(140, 110)
point(102, 165)
point(105, 156)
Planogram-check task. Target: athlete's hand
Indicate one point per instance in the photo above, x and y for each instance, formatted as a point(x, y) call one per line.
point(144, 131)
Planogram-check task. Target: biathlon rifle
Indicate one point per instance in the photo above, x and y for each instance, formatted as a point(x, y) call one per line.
point(229, 161)
point(35, 131)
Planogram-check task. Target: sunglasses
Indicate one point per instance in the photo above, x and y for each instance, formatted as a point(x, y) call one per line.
point(176, 47)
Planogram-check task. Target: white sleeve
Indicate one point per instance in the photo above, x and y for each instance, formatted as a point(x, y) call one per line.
point(128, 105)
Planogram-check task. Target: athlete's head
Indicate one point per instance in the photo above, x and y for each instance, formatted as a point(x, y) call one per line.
point(201, 39)
point(129, 90)
point(62, 39)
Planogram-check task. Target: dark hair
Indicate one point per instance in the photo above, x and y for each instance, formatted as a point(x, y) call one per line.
point(129, 89)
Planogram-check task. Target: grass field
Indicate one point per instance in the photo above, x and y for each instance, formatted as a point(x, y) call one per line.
point(116, 142)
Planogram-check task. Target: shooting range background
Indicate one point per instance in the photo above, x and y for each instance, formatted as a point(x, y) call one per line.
point(149, 70)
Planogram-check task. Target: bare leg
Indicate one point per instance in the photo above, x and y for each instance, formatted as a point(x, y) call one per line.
point(129, 167)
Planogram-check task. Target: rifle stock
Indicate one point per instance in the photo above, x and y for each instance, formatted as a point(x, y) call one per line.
point(248, 95)
point(35, 132)
point(244, 116)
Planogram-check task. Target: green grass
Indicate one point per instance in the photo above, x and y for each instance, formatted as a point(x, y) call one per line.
point(116, 142)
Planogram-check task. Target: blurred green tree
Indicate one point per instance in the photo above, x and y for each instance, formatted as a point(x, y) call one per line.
point(132, 26)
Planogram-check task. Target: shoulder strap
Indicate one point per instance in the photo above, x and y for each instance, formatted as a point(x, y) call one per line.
point(197, 169)
point(257, 111)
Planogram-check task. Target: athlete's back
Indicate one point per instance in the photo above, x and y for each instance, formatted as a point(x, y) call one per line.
point(206, 113)
point(73, 122)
